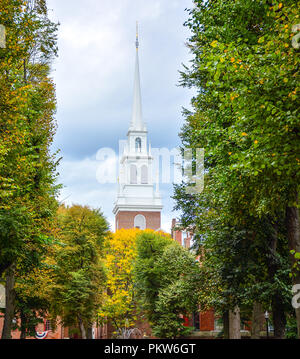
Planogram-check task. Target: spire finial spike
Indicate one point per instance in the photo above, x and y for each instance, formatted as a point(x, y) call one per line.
point(137, 36)
point(137, 117)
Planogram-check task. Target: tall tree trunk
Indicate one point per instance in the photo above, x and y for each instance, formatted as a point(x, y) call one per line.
point(23, 325)
point(82, 328)
point(279, 318)
point(90, 332)
point(293, 233)
point(9, 302)
point(226, 324)
point(234, 323)
point(257, 315)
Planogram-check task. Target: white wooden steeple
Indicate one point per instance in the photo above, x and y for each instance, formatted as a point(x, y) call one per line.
point(137, 190)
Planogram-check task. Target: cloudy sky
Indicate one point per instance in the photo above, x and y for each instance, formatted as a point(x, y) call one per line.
point(94, 77)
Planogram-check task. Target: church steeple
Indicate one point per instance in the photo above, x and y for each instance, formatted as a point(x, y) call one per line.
point(137, 123)
point(138, 201)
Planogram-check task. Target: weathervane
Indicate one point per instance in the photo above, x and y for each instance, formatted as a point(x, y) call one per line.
point(137, 36)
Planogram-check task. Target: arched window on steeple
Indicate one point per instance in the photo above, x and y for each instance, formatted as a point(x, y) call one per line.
point(138, 144)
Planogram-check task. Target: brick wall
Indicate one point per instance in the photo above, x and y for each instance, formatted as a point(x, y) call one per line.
point(125, 219)
point(15, 334)
point(58, 333)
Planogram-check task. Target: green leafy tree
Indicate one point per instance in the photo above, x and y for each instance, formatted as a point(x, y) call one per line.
point(166, 277)
point(245, 115)
point(79, 276)
point(27, 127)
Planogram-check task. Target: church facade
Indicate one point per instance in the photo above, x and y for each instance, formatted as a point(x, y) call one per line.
point(138, 203)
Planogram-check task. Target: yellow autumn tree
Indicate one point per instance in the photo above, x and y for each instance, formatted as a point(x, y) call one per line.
point(119, 302)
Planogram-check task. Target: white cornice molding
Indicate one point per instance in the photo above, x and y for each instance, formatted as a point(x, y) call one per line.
point(137, 208)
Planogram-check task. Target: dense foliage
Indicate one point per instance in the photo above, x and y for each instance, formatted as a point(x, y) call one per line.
point(246, 116)
point(79, 275)
point(167, 283)
point(119, 305)
point(27, 127)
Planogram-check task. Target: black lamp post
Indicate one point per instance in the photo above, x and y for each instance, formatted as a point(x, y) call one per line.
point(267, 323)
